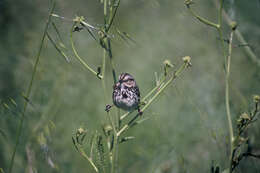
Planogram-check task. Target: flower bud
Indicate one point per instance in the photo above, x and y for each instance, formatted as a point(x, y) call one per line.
point(80, 131)
point(256, 98)
point(233, 25)
point(187, 60)
point(167, 63)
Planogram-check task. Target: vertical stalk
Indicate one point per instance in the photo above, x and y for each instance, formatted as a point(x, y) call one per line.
point(117, 117)
point(114, 122)
point(105, 13)
point(227, 88)
point(20, 126)
point(227, 60)
point(232, 151)
point(103, 68)
point(227, 74)
point(220, 12)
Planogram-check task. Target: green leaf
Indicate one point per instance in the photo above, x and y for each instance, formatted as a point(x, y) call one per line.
point(74, 143)
point(57, 48)
point(6, 106)
point(125, 36)
point(57, 31)
point(100, 153)
point(13, 102)
point(140, 121)
point(125, 139)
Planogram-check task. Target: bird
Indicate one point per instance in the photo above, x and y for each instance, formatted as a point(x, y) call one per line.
point(126, 94)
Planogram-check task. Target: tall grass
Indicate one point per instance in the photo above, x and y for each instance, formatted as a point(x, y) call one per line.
point(20, 126)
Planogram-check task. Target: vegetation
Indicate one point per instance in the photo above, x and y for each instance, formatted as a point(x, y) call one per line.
point(199, 119)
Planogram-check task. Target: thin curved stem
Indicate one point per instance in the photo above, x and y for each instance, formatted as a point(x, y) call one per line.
point(240, 38)
point(84, 155)
point(79, 58)
point(227, 74)
point(111, 20)
point(227, 84)
point(20, 126)
point(232, 152)
point(201, 19)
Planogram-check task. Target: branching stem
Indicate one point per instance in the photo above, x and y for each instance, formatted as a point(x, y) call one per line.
point(227, 60)
point(78, 57)
point(201, 19)
point(174, 76)
point(84, 155)
point(146, 97)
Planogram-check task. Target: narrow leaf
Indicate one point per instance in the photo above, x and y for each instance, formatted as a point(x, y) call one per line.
point(13, 102)
point(125, 139)
point(57, 48)
point(57, 31)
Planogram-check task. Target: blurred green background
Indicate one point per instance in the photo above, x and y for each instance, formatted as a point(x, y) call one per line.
point(187, 126)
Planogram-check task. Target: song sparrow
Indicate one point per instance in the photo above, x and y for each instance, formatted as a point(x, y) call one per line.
point(126, 94)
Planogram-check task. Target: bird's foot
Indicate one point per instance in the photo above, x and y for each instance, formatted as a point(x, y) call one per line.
point(140, 112)
point(108, 107)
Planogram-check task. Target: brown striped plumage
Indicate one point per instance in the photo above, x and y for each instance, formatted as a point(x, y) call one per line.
point(126, 94)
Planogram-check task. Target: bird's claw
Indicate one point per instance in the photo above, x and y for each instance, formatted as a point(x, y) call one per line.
point(108, 107)
point(140, 112)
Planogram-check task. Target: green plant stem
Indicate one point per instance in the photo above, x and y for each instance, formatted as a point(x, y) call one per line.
point(105, 14)
point(111, 60)
point(145, 97)
point(227, 74)
point(114, 123)
point(220, 12)
point(108, 114)
point(84, 155)
point(20, 126)
point(57, 48)
point(240, 38)
point(78, 57)
point(103, 70)
point(116, 119)
point(111, 19)
point(201, 19)
point(232, 151)
point(174, 76)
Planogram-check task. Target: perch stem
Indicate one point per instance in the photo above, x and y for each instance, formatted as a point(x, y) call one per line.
point(174, 76)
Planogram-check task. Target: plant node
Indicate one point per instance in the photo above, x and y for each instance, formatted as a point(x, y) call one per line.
point(256, 98)
point(188, 3)
point(168, 63)
point(187, 60)
point(233, 25)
